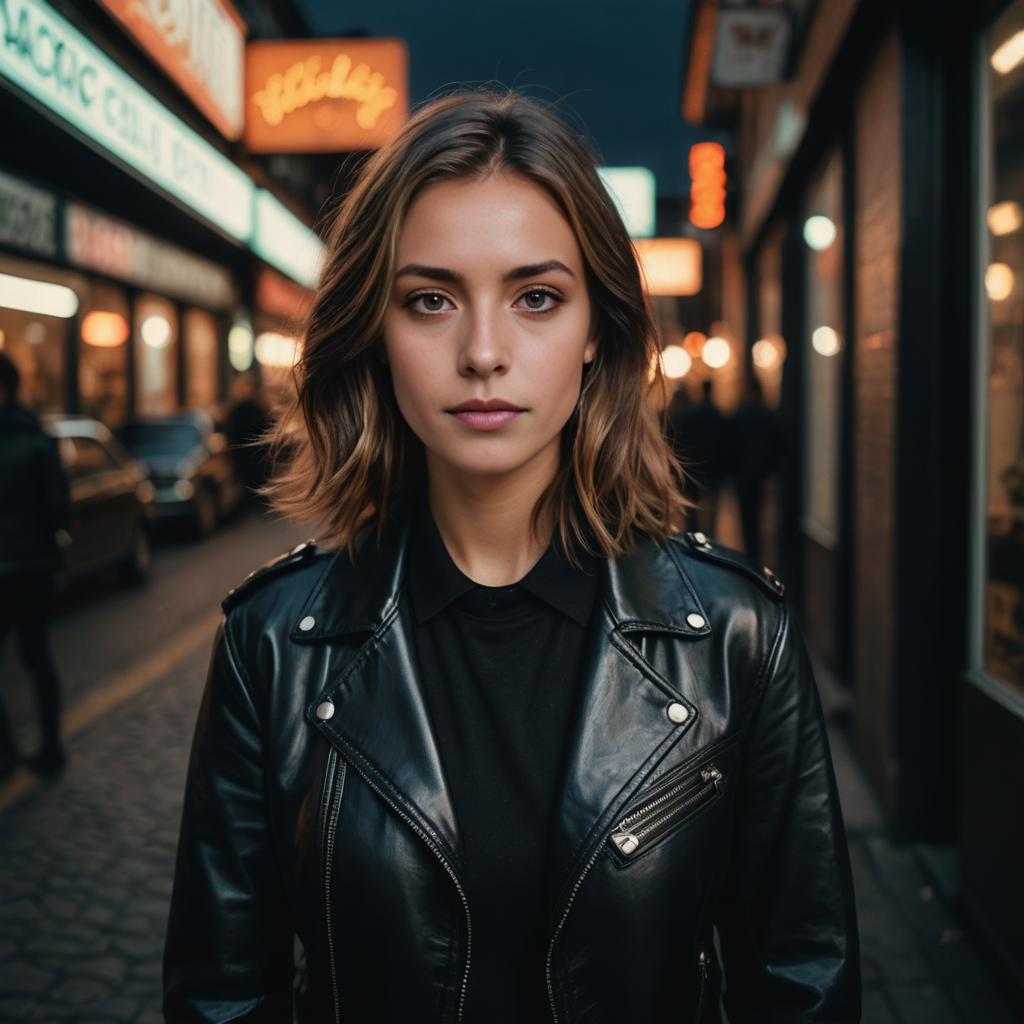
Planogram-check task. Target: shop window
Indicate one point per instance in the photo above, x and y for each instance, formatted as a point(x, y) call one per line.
point(1001, 309)
point(38, 306)
point(201, 359)
point(824, 341)
point(103, 354)
point(156, 356)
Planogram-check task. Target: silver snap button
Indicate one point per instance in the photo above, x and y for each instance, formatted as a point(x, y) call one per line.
point(677, 712)
point(695, 620)
point(324, 710)
point(700, 538)
point(307, 623)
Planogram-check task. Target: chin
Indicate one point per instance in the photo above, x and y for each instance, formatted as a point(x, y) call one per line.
point(487, 460)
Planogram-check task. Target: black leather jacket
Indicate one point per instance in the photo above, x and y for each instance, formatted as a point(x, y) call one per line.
point(699, 794)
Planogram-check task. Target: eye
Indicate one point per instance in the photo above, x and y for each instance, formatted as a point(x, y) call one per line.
point(431, 302)
point(535, 299)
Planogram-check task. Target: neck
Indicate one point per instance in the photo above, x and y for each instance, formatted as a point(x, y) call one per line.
point(484, 521)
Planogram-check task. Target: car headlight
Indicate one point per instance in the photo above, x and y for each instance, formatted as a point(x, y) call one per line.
point(184, 490)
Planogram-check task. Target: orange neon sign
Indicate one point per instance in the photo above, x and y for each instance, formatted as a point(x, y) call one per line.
point(324, 95)
point(707, 188)
point(201, 45)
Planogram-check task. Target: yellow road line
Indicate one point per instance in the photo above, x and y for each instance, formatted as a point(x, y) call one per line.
point(123, 686)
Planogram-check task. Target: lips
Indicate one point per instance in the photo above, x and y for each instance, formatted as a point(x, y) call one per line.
point(485, 405)
point(486, 415)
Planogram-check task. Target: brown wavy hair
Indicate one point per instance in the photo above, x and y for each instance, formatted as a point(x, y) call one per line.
point(345, 451)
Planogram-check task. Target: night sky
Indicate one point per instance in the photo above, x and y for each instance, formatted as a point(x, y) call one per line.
point(617, 65)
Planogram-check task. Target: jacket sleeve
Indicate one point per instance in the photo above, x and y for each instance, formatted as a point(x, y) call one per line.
point(228, 949)
point(787, 920)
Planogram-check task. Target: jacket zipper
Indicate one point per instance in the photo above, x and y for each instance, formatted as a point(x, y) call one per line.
point(334, 785)
point(435, 849)
point(561, 922)
point(711, 787)
point(702, 972)
point(645, 823)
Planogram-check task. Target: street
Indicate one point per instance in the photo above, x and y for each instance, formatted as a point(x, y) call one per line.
point(88, 859)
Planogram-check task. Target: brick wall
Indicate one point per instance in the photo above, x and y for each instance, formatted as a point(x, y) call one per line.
point(877, 296)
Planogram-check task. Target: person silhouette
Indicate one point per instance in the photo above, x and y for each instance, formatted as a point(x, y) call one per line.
point(696, 431)
point(759, 443)
point(34, 505)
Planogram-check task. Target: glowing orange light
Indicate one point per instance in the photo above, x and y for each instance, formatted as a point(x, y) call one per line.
point(104, 329)
point(670, 266)
point(694, 343)
point(707, 188)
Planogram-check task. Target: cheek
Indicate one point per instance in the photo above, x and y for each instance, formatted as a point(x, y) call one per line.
point(556, 366)
point(409, 366)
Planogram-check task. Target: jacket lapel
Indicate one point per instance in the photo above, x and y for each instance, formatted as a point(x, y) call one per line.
point(379, 720)
point(622, 729)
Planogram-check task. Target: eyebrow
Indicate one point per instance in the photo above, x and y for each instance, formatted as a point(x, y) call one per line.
point(516, 274)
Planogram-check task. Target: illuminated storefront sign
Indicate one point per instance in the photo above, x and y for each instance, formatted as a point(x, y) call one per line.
point(324, 95)
point(28, 217)
point(110, 246)
point(53, 62)
point(671, 266)
point(751, 46)
point(633, 190)
point(201, 45)
point(280, 238)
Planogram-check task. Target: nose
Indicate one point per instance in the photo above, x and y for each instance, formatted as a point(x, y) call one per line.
point(485, 347)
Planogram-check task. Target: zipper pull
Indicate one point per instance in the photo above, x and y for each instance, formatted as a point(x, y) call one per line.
point(626, 842)
point(702, 964)
point(711, 772)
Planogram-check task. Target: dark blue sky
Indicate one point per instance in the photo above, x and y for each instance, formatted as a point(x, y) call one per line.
point(617, 64)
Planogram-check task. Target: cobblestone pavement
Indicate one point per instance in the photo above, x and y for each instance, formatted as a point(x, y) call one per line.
point(87, 866)
point(88, 862)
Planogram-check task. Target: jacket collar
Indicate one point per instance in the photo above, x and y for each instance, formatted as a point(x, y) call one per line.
point(648, 590)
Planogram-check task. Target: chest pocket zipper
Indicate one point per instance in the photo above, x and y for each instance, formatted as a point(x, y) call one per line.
point(702, 976)
point(664, 807)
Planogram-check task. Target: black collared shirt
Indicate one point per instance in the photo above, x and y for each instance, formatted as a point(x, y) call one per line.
point(499, 667)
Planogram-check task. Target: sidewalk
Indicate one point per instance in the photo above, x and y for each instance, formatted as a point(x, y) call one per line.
point(919, 966)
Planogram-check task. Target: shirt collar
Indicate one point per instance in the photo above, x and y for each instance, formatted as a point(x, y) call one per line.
point(435, 581)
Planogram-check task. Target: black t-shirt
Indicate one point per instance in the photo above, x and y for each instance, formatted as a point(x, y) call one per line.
point(499, 667)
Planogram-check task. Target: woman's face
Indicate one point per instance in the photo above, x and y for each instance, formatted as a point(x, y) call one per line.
point(488, 302)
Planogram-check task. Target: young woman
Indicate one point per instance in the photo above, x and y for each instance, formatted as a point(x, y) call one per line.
point(505, 744)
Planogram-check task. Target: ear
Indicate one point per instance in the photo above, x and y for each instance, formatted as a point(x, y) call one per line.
point(590, 350)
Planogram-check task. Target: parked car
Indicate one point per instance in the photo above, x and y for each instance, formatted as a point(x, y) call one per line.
point(189, 465)
point(112, 507)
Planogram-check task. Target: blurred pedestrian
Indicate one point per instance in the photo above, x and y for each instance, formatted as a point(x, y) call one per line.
point(697, 431)
point(246, 421)
point(34, 506)
point(758, 443)
point(507, 742)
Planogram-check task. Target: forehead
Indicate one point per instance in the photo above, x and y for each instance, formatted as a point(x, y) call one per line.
point(481, 223)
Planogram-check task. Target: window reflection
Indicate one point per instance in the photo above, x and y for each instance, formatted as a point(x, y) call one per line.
point(1004, 311)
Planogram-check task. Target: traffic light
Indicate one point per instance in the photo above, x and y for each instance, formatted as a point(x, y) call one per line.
point(707, 184)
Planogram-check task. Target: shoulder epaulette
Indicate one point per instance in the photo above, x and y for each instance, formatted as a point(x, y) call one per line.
point(297, 556)
point(703, 547)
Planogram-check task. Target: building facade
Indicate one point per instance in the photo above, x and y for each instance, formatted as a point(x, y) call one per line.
point(134, 228)
point(880, 236)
